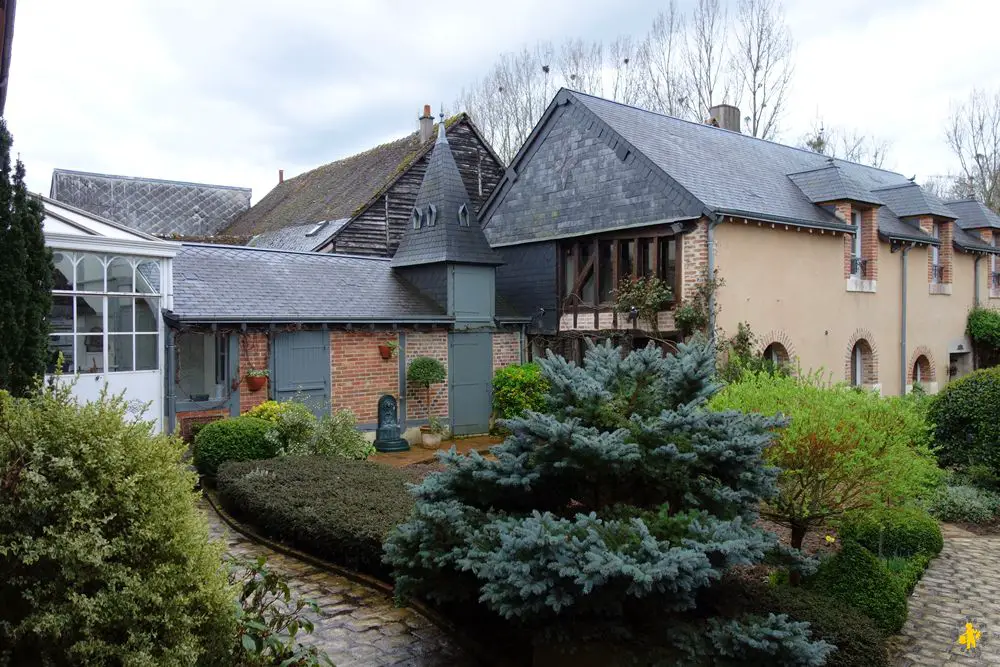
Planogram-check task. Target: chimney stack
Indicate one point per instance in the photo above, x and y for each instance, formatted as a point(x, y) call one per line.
point(426, 125)
point(281, 176)
point(725, 116)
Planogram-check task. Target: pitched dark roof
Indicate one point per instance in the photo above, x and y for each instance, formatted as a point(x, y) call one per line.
point(441, 237)
point(337, 190)
point(215, 283)
point(303, 238)
point(894, 229)
point(151, 205)
point(973, 214)
point(909, 199)
point(971, 241)
point(828, 184)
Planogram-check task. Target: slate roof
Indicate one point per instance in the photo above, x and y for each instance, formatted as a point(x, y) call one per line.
point(828, 184)
point(969, 240)
point(910, 199)
point(303, 238)
point(214, 283)
point(151, 205)
point(442, 238)
point(973, 214)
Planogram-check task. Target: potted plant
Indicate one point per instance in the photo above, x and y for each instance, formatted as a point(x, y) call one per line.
point(432, 433)
point(387, 349)
point(256, 377)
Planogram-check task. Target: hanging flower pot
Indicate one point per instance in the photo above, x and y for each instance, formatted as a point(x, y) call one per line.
point(256, 379)
point(386, 349)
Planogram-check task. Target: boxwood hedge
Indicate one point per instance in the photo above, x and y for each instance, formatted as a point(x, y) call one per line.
point(894, 531)
point(337, 509)
point(240, 439)
point(964, 415)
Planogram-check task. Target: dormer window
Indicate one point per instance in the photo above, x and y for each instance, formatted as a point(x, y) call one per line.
point(415, 219)
point(432, 214)
point(937, 271)
point(463, 215)
point(857, 264)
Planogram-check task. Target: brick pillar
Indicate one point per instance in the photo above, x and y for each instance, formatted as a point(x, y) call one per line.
point(693, 260)
point(842, 210)
point(506, 349)
point(869, 242)
point(254, 349)
point(946, 251)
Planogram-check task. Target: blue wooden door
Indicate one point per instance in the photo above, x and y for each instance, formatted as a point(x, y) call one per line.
point(301, 369)
point(470, 371)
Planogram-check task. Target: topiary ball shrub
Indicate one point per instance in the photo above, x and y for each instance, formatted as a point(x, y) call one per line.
point(965, 503)
point(856, 577)
point(239, 439)
point(334, 508)
point(964, 415)
point(104, 557)
point(894, 531)
point(425, 371)
point(518, 389)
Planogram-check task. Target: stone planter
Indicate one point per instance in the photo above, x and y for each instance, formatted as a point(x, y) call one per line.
point(429, 440)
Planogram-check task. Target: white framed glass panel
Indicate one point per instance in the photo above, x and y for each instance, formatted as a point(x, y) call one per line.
point(89, 356)
point(62, 278)
point(60, 345)
point(120, 353)
point(147, 277)
point(147, 352)
point(120, 314)
point(61, 315)
point(90, 273)
point(147, 313)
point(119, 275)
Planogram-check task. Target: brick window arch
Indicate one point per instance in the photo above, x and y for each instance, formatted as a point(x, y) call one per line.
point(777, 346)
point(861, 363)
point(776, 353)
point(922, 368)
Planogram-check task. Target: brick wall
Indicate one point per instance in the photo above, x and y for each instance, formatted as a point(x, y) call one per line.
point(432, 344)
point(506, 349)
point(946, 251)
point(254, 349)
point(185, 420)
point(869, 238)
point(693, 260)
point(869, 358)
point(359, 374)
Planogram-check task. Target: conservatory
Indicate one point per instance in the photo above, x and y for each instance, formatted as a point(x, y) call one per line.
point(106, 329)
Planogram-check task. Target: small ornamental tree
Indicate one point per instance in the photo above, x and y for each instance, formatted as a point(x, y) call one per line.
point(622, 501)
point(26, 287)
point(422, 373)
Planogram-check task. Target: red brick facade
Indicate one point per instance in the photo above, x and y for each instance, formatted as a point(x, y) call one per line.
point(869, 358)
point(869, 237)
point(359, 374)
point(432, 344)
point(925, 359)
point(693, 259)
point(506, 349)
point(946, 251)
point(254, 350)
point(185, 420)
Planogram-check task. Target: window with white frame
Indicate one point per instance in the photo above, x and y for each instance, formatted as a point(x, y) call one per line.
point(936, 254)
point(856, 268)
point(105, 315)
point(203, 366)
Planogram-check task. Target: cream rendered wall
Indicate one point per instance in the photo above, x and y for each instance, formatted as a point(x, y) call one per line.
point(790, 285)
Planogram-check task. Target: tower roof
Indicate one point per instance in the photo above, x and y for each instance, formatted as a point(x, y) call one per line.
point(443, 225)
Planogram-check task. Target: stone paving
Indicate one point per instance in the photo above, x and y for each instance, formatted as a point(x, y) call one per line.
point(961, 586)
point(356, 624)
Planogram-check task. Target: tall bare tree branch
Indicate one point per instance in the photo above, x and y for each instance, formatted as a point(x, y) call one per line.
point(973, 134)
point(663, 56)
point(707, 66)
point(762, 64)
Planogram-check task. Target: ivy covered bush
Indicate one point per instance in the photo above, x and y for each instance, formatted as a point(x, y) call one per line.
point(518, 389)
point(966, 427)
point(240, 439)
point(983, 326)
point(619, 505)
point(843, 451)
point(104, 557)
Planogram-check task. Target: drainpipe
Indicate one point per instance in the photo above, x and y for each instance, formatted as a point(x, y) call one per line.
point(169, 381)
point(713, 220)
point(975, 275)
point(902, 323)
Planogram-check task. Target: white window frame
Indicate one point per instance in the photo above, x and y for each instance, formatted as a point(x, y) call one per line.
point(856, 244)
point(935, 251)
point(857, 366)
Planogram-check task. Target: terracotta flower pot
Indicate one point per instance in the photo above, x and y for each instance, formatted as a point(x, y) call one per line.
point(256, 382)
point(385, 351)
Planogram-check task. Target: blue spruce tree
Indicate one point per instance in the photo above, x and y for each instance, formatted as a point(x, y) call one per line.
point(625, 499)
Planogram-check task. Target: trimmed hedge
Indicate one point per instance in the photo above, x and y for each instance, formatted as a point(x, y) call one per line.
point(894, 531)
point(907, 571)
point(964, 414)
point(239, 439)
point(517, 389)
point(857, 578)
point(337, 509)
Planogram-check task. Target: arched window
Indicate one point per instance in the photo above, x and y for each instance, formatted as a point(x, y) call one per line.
point(922, 370)
point(862, 366)
point(776, 354)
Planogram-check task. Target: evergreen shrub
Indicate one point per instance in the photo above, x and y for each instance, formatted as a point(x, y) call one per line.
point(518, 389)
point(105, 558)
point(983, 326)
point(907, 571)
point(624, 500)
point(334, 508)
point(857, 577)
point(238, 439)
point(338, 435)
point(964, 418)
point(894, 531)
point(965, 503)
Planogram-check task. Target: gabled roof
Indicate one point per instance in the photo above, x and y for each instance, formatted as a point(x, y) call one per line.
point(303, 238)
point(909, 199)
point(971, 242)
point(828, 184)
point(68, 227)
point(440, 236)
point(973, 214)
point(214, 283)
point(151, 205)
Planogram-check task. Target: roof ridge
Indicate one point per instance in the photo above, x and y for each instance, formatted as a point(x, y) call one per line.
point(166, 181)
point(712, 127)
point(283, 251)
point(809, 171)
point(900, 185)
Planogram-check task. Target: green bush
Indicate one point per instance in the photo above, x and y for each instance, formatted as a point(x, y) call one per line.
point(337, 509)
point(239, 439)
point(964, 415)
point(425, 371)
point(964, 503)
point(338, 435)
point(907, 571)
point(857, 578)
point(104, 557)
point(293, 429)
point(983, 326)
point(517, 389)
point(867, 450)
point(894, 531)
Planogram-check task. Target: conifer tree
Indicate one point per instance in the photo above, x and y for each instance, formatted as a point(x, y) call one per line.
point(26, 283)
point(625, 498)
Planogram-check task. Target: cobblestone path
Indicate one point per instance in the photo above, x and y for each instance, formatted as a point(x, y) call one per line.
point(356, 625)
point(961, 586)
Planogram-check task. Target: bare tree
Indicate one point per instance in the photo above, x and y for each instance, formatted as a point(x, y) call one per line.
point(626, 68)
point(663, 56)
point(581, 66)
point(845, 144)
point(705, 54)
point(973, 134)
point(762, 63)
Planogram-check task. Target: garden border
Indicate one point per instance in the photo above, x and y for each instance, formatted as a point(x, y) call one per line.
point(477, 651)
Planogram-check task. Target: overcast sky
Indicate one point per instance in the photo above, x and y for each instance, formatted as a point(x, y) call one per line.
point(229, 91)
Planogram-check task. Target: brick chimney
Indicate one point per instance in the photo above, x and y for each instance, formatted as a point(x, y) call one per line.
point(725, 116)
point(281, 176)
point(426, 125)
